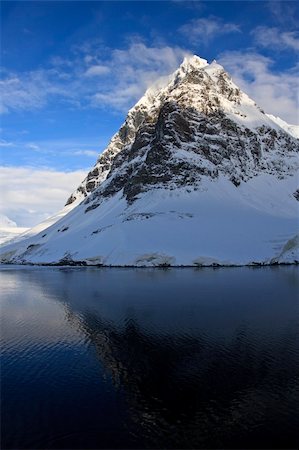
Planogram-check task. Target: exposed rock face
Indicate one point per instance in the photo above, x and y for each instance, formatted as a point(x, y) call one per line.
point(199, 125)
point(123, 139)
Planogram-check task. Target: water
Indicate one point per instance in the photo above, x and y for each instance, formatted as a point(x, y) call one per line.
point(122, 358)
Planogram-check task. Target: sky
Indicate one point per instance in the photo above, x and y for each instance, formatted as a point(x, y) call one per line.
point(70, 70)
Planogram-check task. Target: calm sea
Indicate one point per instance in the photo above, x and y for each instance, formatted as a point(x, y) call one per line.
point(124, 358)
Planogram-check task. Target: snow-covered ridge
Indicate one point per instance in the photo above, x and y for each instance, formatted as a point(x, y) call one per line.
point(197, 175)
point(293, 130)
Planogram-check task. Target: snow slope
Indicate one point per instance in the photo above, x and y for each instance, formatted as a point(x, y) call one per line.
point(197, 175)
point(291, 129)
point(10, 232)
point(7, 234)
point(219, 224)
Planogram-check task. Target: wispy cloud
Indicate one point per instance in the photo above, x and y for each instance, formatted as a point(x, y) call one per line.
point(4, 143)
point(35, 194)
point(90, 153)
point(276, 39)
point(97, 70)
point(135, 69)
point(62, 154)
point(32, 146)
point(31, 90)
point(19, 94)
point(65, 147)
point(272, 90)
point(119, 77)
point(203, 30)
point(284, 13)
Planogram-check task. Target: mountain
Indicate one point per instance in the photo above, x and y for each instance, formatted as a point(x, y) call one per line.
point(5, 222)
point(9, 229)
point(197, 175)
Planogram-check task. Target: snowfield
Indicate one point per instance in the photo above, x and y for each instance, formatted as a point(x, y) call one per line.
point(8, 234)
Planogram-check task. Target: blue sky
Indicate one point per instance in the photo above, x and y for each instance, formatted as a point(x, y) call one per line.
point(71, 70)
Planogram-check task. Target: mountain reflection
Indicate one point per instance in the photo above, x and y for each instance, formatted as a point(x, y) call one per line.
point(201, 358)
point(185, 384)
point(181, 389)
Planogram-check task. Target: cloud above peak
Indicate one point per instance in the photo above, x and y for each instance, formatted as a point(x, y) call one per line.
point(114, 79)
point(203, 30)
point(131, 71)
point(275, 38)
point(134, 70)
point(271, 89)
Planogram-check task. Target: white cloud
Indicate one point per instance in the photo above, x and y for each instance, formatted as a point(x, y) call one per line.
point(276, 39)
point(4, 143)
point(66, 147)
point(284, 12)
point(204, 29)
point(275, 92)
point(139, 55)
point(17, 94)
point(97, 70)
point(31, 90)
point(30, 195)
point(32, 146)
point(91, 153)
point(132, 70)
point(121, 97)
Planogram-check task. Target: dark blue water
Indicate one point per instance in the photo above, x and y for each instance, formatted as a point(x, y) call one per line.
point(182, 358)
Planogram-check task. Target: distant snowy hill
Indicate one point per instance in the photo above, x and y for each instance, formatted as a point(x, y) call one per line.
point(5, 222)
point(9, 229)
point(197, 175)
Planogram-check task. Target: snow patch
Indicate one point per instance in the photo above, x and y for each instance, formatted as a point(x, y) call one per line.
point(154, 259)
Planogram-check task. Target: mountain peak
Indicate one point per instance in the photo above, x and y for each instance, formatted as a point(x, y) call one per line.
point(196, 123)
point(194, 61)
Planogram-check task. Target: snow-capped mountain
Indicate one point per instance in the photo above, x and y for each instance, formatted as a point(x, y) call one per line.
point(5, 222)
point(197, 175)
point(9, 229)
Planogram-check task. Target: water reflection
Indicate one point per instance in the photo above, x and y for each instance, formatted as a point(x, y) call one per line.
point(196, 358)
